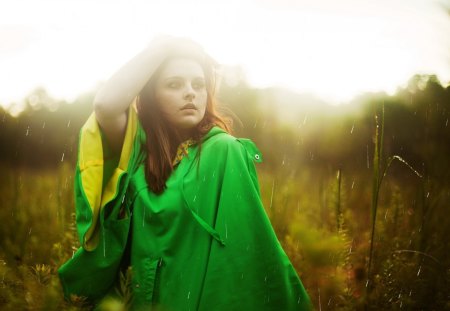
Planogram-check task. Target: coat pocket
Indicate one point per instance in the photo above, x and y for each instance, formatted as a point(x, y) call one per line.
point(148, 286)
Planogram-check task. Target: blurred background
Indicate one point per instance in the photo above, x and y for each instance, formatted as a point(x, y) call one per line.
point(349, 102)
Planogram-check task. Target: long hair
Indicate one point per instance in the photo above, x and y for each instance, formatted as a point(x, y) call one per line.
point(161, 138)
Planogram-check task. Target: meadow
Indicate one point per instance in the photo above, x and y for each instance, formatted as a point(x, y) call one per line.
point(358, 195)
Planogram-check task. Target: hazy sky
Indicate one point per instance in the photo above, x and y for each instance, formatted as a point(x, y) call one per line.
point(334, 49)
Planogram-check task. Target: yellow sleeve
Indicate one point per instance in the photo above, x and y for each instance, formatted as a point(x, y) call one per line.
point(90, 171)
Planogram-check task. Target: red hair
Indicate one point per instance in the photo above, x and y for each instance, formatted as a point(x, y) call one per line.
point(162, 139)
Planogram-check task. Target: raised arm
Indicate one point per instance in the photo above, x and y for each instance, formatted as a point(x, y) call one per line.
point(116, 95)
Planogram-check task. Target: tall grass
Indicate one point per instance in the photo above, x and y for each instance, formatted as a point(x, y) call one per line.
point(338, 201)
point(316, 214)
point(376, 183)
point(379, 171)
point(37, 235)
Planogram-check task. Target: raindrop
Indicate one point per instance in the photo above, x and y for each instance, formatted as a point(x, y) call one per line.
point(43, 125)
point(304, 120)
point(320, 304)
point(226, 231)
point(189, 294)
point(242, 276)
point(62, 158)
point(195, 198)
point(418, 272)
point(385, 215)
point(265, 279)
point(29, 232)
point(104, 244)
point(68, 123)
point(271, 196)
point(368, 163)
point(428, 194)
point(28, 131)
point(143, 218)
point(353, 127)
point(353, 184)
point(446, 123)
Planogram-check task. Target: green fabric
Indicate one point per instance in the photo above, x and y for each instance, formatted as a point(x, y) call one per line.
point(206, 243)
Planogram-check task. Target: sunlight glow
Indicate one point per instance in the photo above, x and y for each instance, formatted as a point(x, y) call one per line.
point(334, 49)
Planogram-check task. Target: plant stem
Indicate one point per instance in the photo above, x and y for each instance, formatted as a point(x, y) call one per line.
point(376, 183)
point(338, 200)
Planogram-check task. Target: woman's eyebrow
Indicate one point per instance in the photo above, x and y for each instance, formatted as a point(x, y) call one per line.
point(182, 78)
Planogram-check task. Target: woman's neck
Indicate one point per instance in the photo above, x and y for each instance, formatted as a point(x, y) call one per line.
point(183, 135)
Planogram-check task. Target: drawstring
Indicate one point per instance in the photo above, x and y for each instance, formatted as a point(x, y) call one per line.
point(208, 228)
point(200, 221)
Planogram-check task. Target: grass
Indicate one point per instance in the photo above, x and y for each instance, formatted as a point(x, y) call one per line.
point(321, 217)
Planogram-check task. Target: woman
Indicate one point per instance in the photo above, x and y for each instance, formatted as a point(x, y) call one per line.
point(164, 188)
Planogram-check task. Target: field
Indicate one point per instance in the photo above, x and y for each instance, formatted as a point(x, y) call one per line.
point(359, 201)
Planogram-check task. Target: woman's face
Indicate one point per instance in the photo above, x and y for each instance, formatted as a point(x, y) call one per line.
point(180, 93)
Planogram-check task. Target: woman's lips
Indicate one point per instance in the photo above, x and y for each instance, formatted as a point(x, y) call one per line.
point(189, 106)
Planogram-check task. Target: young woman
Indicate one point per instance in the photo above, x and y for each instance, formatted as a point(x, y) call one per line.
point(163, 189)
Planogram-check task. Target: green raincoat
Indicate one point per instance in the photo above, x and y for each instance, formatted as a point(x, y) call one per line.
point(205, 243)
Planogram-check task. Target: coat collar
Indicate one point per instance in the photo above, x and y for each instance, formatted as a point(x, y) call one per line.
point(213, 132)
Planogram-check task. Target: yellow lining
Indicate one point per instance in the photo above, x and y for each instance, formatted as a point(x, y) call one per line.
point(91, 168)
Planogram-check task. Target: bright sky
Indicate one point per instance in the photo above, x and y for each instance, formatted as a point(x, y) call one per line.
point(334, 49)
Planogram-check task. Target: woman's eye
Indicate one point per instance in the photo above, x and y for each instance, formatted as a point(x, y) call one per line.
point(198, 85)
point(174, 85)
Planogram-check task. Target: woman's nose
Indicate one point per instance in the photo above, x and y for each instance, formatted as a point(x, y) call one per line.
point(189, 92)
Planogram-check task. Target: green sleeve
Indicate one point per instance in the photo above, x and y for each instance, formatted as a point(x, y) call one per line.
point(101, 184)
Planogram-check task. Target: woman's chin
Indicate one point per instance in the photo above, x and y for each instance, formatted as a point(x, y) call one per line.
point(188, 122)
point(187, 126)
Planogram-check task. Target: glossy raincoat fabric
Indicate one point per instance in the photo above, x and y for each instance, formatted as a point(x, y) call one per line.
point(205, 243)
